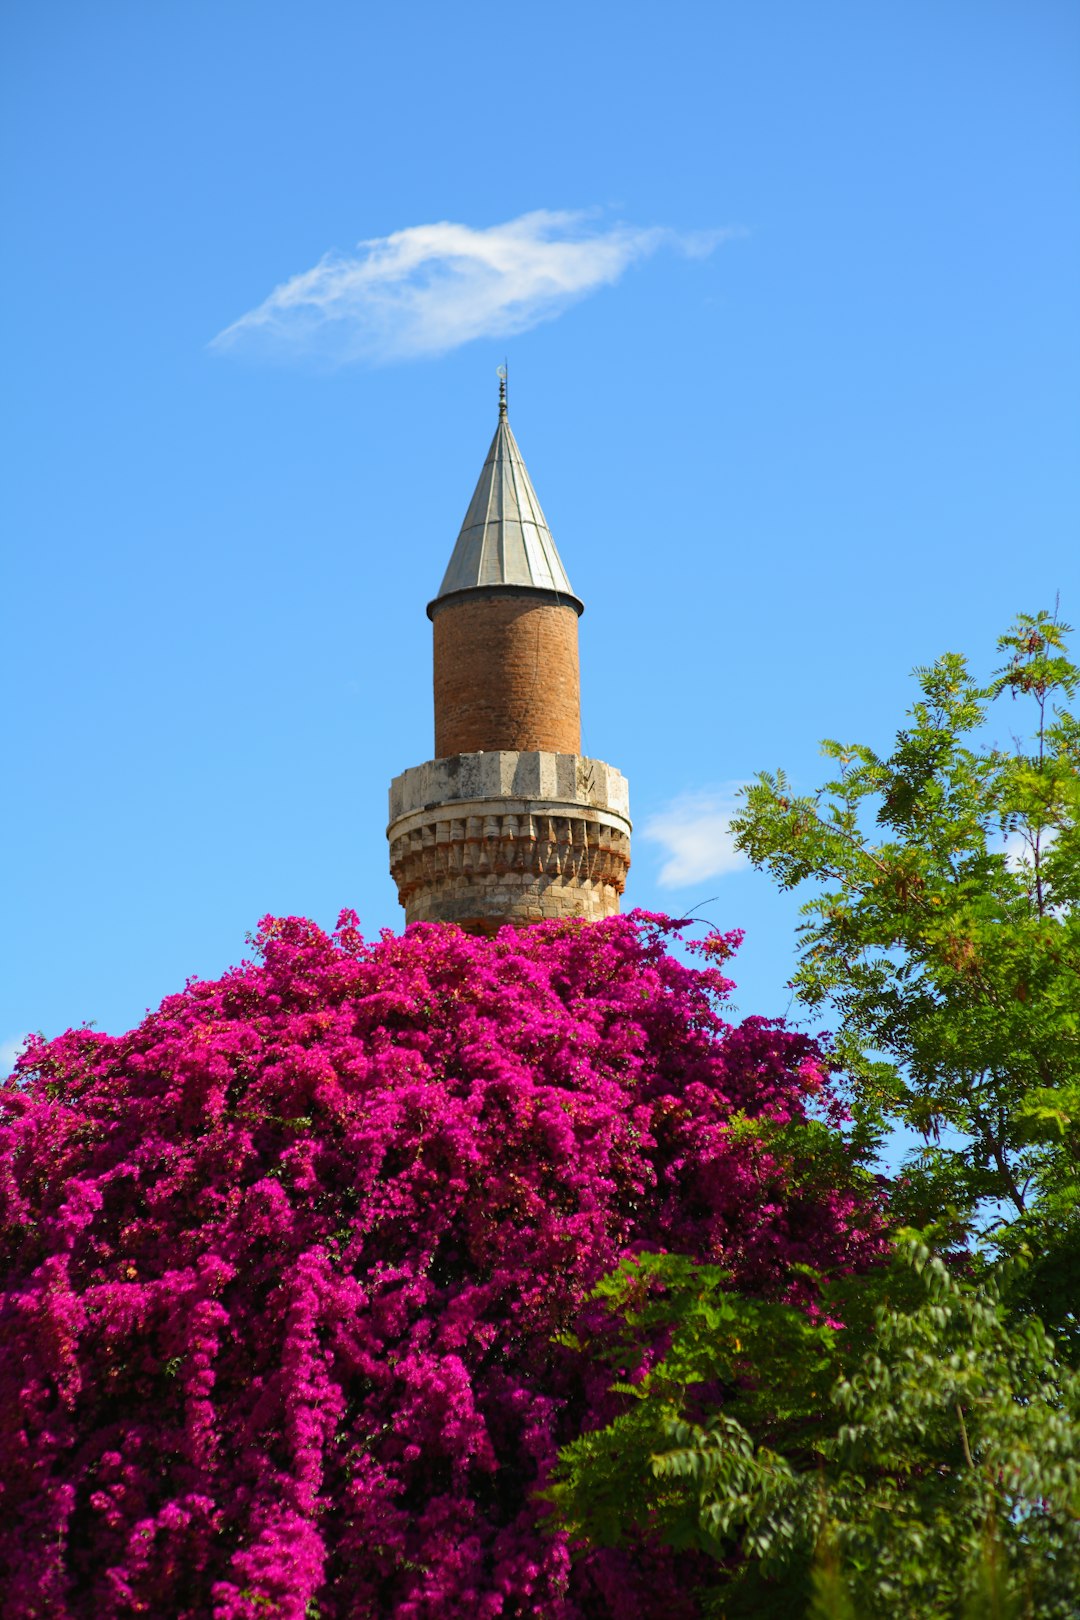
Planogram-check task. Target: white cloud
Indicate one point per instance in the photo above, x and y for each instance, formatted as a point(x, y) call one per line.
point(9, 1051)
point(696, 833)
point(430, 288)
point(1018, 851)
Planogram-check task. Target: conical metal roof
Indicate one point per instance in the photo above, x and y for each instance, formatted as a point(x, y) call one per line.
point(505, 539)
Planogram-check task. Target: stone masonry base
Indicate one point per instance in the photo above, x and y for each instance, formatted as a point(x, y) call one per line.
point(509, 837)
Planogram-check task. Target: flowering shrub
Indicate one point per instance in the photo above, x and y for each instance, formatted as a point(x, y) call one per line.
point(283, 1266)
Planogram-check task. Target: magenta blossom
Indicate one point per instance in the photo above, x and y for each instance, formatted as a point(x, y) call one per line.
point(283, 1267)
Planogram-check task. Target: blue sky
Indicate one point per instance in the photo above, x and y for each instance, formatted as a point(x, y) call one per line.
point(789, 297)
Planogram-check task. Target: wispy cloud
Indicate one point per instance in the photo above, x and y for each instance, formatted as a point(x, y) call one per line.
point(1019, 855)
point(695, 830)
point(431, 288)
point(1017, 852)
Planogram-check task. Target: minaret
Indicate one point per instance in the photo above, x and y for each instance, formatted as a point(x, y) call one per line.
point(509, 824)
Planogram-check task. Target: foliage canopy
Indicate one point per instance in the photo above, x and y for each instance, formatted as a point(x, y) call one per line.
point(914, 1456)
point(917, 1455)
point(282, 1266)
point(944, 936)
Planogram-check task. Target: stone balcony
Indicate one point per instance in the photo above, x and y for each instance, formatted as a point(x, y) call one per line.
point(505, 837)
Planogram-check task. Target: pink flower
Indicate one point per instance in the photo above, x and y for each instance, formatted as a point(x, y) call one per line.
point(284, 1265)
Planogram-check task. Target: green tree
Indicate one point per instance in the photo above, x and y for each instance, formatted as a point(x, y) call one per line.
point(943, 937)
point(911, 1451)
point(921, 1461)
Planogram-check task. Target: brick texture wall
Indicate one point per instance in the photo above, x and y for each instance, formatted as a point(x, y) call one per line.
point(506, 676)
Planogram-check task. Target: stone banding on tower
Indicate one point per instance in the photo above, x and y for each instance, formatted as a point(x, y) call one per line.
point(510, 823)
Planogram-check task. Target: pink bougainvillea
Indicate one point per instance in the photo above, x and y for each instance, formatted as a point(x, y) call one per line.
point(283, 1267)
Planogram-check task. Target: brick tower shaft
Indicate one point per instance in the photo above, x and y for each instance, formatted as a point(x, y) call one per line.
point(506, 674)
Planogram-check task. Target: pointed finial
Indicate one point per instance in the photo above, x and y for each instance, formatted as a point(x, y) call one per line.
point(502, 391)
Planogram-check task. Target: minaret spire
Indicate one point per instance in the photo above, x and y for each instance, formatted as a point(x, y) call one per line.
point(504, 539)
